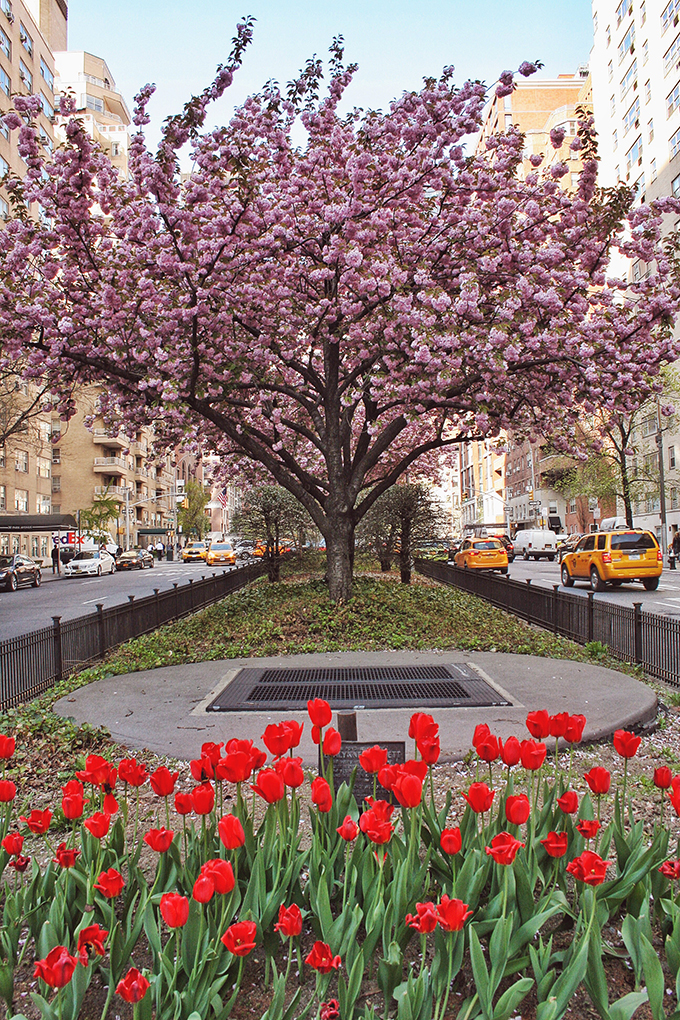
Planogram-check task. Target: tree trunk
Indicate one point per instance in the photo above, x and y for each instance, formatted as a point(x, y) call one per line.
point(625, 488)
point(385, 565)
point(405, 551)
point(339, 557)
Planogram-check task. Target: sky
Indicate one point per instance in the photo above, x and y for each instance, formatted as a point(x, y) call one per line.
point(178, 45)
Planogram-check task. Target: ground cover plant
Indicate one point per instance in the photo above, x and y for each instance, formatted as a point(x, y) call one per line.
point(395, 910)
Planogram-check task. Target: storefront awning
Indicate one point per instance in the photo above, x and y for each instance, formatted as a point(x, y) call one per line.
point(153, 531)
point(24, 523)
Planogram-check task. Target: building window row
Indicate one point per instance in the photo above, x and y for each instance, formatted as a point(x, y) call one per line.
point(5, 44)
point(674, 144)
point(25, 38)
point(671, 57)
point(5, 83)
point(26, 76)
point(670, 15)
point(6, 8)
point(627, 44)
point(673, 100)
point(46, 75)
point(631, 118)
point(629, 80)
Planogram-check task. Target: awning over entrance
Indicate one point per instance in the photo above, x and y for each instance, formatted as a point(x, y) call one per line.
point(153, 531)
point(24, 523)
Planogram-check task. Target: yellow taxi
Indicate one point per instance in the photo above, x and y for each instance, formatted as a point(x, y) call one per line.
point(194, 551)
point(482, 554)
point(220, 552)
point(612, 557)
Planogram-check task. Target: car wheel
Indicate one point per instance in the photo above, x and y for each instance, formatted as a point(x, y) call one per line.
point(616, 584)
point(13, 583)
point(596, 582)
point(567, 579)
point(504, 570)
point(99, 571)
point(526, 555)
point(551, 558)
point(37, 580)
point(651, 583)
point(113, 569)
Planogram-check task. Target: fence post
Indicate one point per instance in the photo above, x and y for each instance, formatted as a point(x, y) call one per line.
point(158, 608)
point(528, 612)
point(176, 587)
point(58, 664)
point(637, 624)
point(100, 625)
point(591, 615)
point(555, 607)
point(191, 594)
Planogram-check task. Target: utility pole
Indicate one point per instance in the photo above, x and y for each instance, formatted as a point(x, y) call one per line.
point(662, 483)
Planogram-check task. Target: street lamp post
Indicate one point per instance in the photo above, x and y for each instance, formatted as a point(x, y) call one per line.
point(662, 482)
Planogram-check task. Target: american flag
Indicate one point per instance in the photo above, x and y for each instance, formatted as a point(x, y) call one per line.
point(222, 498)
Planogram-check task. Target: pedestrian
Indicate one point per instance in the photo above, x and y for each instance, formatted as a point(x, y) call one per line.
point(674, 551)
point(56, 568)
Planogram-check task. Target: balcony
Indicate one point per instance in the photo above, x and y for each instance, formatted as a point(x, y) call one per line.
point(111, 490)
point(139, 447)
point(109, 465)
point(107, 439)
point(141, 472)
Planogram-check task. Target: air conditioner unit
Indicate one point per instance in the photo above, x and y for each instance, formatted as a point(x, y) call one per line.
point(10, 17)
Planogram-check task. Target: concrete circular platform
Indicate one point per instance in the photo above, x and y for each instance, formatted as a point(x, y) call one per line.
point(165, 710)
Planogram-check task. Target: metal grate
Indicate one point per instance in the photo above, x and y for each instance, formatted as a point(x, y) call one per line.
point(456, 685)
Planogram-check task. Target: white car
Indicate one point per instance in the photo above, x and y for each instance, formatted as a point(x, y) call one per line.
point(95, 561)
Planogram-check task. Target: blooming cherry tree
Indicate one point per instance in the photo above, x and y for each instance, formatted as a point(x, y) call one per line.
point(335, 311)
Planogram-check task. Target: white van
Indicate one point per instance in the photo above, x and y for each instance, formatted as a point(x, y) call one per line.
point(536, 543)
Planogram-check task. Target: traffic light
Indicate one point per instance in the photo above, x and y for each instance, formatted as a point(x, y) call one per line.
point(531, 495)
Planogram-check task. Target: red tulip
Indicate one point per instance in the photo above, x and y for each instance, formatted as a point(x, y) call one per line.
point(329, 1010)
point(96, 770)
point(674, 797)
point(479, 797)
point(175, 909)
point(429, 749)
point(221, 873)
point(588, 827)
point(269, 786)
point(671, 869)
point(568, 802)
point(322, 795)
point(159, 840)
point(13, 843)
point(98, 824)
point(235, 767)
point(451, 841)
point(376, 826)
point(90, 942)
point(488, 749)
point(574, 731)
point(538, 724)
point(212, 751)
point(231, 832)
point(321, 958)
point(133, 987)
point(7, 745)
point(290, 770)
point(65, 858)
point(8, 791)
point(588, 868)
point(277, 738)
point(163, 781)
point(509, 751)
point(332, 742)
point(348, 830)
point(422, 725)
point(408, 790)
point(319, 712)
point(517, 809)
point(482, 731)
point(663, 777)
point(73, 799)
point(204, 888)
point(38, 821)
point(598, 779)
point(532, 754)
point(56, 970)
point(239, 938)
point(558, 724)
point(452, 914)
point(290, 921)
point(19, 863)
point(183, 803)
point(555, 843)
point(373, 759)
point(387, 776)
point(425, 919)
point(132, 772)
point(382, 809)
point(626, 743)
point(202, 799)
point(202, 769)
point(503, 848)
point(110, 883)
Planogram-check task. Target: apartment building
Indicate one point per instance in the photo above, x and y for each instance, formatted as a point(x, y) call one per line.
point(635, 67)
point(482, 484)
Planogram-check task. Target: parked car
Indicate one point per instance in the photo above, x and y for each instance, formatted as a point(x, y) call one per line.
point(566, 545)
point(536, 542)
point(134, 559)
point(90, 562)
point(482, 554)
point(18, 570)
point(612, 557)
point(220, 552)
point(194, 552)
point(507, 545)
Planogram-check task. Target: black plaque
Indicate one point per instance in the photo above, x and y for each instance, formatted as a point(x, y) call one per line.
point(347, 760)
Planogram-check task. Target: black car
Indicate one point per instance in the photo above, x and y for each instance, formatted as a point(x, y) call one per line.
point(17, 570)
point(134, 559)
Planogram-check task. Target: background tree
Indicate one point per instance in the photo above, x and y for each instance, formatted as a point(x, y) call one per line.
point(379, 531)
point(270, 514)
point(337, 310)
point(191, 515)
point(95, 519)
point(420, 517)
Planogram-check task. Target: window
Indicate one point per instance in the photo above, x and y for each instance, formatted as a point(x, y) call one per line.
point(674, 145)
point(648, 428)
point(43, 504)
point(650, 131)
point(595, 22)
point(643, 12)
point(648, 91)
point(92, 103)
point(622, 11)
point(56, 455)
point(115, 146)
point(675, 499)
point(5, 44)
point(2, 456)
point(56, 483)
point(21, 500)
point(43, 467)
point(671, 58)
point(631, 118)
point(6, 8)
point(5, 84)
point(612, 105)
point(609, 35)
point(4, 167)
point(627, 44)
point(615, 140)
point(671, 456)
point(56, 508)
point(4, 209)
point(673, 100)
point(46, 75)
point(572, 506)
point(652, 168)
point(45, 139)
point(26, 76)
point(4, 130)
point(634, 156)
point(48, 109)
point(26, 40)
point(610, 71)
point(3, 497)
point(675, 186)
point(645, 51)
point(669, 15)
point(629, 79)
point(21, 461)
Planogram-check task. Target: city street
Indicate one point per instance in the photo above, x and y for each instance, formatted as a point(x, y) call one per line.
point(665, 600)
point(31, 608)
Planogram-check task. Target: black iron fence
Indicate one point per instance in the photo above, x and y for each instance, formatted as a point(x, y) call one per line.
point(631, 634)
point(34, 662)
